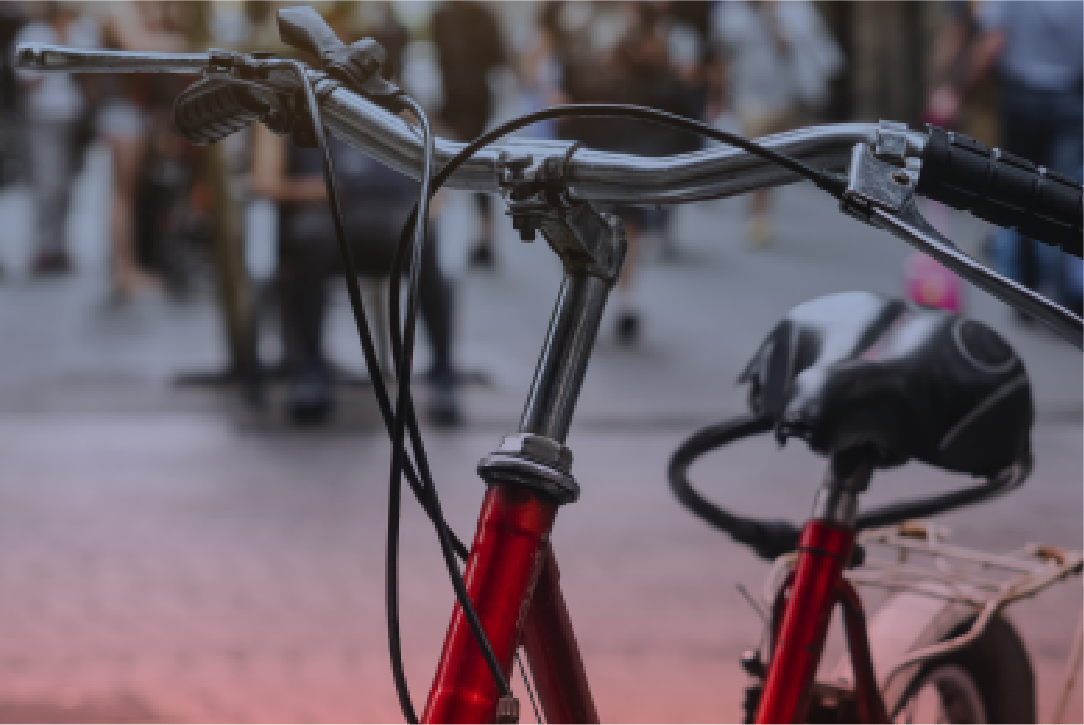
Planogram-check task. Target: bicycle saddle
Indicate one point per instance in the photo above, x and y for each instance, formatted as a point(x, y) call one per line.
point(859, 369)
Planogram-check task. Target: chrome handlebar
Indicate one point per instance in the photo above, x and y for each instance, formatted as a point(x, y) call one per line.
point(599, 175)
point(42, 57)
point(881, 161)
point(591, 174)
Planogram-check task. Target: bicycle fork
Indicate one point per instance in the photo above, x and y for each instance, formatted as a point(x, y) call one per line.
point(511, 573)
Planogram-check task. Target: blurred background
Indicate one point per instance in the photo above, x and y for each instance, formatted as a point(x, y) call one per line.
point(192, 467)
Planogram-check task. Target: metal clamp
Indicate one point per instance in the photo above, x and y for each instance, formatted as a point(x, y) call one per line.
point(892, 142)
point(587, 240)
point(508, 710)
point(876, 184)
point(534, 462)
point(538, 448)
point(837, 499)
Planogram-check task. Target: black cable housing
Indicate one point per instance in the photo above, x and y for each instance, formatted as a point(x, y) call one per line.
point(770, 539)
point(405, 412)
point(422, 486)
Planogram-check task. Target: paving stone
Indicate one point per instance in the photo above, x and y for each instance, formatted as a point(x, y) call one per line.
point(168, 556)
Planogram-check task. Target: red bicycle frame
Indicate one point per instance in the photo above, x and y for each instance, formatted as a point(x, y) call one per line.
point(804, 608)
point(512, 579)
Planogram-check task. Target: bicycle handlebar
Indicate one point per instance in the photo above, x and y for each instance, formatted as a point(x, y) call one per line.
point(961, 172)
point(602, 176)
point(596, 175)
point(883, 167)
point(44, 57)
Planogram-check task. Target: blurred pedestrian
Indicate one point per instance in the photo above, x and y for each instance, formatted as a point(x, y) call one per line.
point(376, 203)
point(12, 19)
point(1037, 52)
point(780, 58)
point(124, 124)
point(56, 109)
point(688, 40)
point(541, 70)
point(173, 208)
point(926, 281)
point(974, 110)
point(380, 23)
point(646, 77)
point(469, 48)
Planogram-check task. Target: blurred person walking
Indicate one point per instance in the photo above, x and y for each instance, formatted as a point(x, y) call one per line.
point(951, 106)
point(379, 200)
point(1037, 52)
point(927, 282)
point(125, 125)
point(12, 19)
point(541, 71)
point(55, 107)
point(779, 59)
point(646, 78)
point(469, 47)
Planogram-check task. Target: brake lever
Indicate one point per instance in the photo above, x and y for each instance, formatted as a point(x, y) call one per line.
point(358, 65)
point(882, 194)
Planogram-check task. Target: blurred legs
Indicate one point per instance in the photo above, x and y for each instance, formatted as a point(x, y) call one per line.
point(51, 157)
point(128, 155)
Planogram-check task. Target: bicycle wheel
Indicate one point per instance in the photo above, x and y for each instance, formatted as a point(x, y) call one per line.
point(991, 681)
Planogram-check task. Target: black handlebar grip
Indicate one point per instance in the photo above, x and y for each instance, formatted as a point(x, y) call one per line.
point(1003, 189)
point(210, 110)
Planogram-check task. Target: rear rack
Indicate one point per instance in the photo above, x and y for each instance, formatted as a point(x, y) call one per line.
point(988, 582)
point(923, 563)
point(913, 557)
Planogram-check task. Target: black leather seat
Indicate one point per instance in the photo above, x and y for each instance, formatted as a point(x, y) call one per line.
point(859, 369)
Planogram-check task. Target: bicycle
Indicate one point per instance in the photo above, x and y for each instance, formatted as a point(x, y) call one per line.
point(939, 643)
point(509, 594)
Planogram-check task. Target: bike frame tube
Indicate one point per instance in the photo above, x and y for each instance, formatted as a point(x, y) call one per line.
point(505, 562)
point(824, 549)
point(871, 706)
point(551, 649)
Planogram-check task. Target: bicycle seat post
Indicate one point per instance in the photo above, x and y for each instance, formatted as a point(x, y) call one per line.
point(824, 549)
point(836, 501)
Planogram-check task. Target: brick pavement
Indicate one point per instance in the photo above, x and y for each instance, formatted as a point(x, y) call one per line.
point(173, 570)
point(167, 556)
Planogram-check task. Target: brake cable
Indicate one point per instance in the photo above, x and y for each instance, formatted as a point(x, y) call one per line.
point(397, 421)
point(402, 354)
